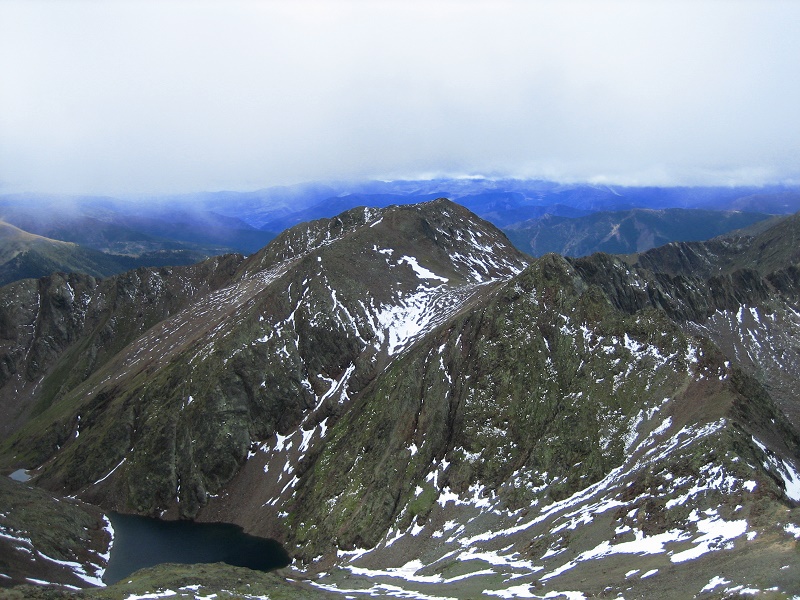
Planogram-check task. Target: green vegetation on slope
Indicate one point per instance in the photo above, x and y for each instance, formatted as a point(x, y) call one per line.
point(40, 532)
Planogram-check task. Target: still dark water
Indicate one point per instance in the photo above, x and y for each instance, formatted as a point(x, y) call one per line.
point(144, 542)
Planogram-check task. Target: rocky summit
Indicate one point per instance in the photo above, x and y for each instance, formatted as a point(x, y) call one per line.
point(416, 409)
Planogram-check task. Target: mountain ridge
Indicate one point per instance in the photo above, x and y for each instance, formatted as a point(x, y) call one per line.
point(159, 231)
point(239, 296)
point(405, 400)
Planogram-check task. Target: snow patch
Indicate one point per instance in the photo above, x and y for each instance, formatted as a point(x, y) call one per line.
point(421, 271)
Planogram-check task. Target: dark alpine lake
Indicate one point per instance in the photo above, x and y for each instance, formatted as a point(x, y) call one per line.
point(144, 542)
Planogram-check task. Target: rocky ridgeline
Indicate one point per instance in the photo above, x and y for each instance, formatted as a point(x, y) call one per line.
point(248, 361)
point(413, 407)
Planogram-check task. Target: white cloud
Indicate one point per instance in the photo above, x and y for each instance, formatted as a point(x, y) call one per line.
point(174, 96)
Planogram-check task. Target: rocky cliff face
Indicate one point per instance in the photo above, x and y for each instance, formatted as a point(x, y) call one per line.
point(741, 291)
point(58, 330)
point(399, 394)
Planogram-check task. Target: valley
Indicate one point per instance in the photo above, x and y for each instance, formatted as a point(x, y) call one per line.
point(415, 408)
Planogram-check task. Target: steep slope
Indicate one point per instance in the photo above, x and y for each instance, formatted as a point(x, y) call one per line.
point(416, 413)
point(58, 330)
point(585, 433)
point(303, 325)
point(751, 309)
point(45, 539)
point(624, 232)
point(566, 435)
point(15, 240)
point(763, 249)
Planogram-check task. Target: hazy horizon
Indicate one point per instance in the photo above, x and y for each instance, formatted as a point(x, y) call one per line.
point(134, 98)
point(354, 186)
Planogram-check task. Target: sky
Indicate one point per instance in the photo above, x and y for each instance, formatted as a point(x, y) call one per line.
point(168, 96)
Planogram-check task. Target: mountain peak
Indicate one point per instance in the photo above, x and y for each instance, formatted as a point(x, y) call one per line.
point(337, 299)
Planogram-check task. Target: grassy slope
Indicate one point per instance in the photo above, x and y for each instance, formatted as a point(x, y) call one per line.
point(25, 255)
point(56, 528)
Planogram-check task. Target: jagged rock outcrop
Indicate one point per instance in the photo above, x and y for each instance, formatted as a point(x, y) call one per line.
point(58, 330)
point(739, 290)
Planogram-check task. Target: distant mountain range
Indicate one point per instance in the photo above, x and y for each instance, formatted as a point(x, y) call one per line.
point(25, 255)
point(624, 232)
point(416, 408)
point(538, 216)
point(102, 236)
point(126, 227)
point(503, 202)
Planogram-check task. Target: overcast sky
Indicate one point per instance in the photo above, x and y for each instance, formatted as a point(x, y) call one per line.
point(166, 96)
